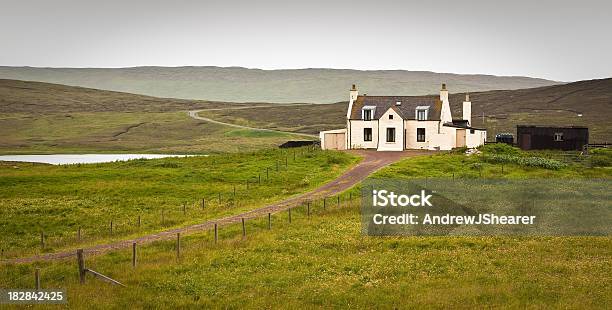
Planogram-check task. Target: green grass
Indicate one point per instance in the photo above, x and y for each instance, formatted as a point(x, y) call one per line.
point(124, 132)
point(60, 199)
point(324, 262)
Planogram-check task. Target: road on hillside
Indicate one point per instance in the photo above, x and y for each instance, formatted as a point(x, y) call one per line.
point(194, 114)
point(371, 162)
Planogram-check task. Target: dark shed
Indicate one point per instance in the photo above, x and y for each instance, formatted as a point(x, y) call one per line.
point(552, 137)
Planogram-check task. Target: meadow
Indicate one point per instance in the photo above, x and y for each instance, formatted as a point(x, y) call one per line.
point(323, 260)
point(59, 200)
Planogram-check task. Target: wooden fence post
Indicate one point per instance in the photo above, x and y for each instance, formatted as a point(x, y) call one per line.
point(133, 254)
point(203, 203)
point(243, 228)
point(81, 264)
point(324, 203)
point(139, 221)
point(216, 233)
point(269, 221)
point(111, 227)
point(259, 178)
point(234, 190)
point(350, 203)
point(338, 200)
point(308, 208)
point(37, 278)
point(178, 246)
point(289, 215)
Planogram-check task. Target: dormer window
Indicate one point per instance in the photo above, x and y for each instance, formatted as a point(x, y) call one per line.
point(422, 112)
point(367, 113)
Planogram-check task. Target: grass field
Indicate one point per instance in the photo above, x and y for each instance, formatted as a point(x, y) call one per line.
point(323, 261)
point(60, 199)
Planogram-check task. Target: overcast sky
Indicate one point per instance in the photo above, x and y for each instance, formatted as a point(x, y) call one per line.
point(548, 39)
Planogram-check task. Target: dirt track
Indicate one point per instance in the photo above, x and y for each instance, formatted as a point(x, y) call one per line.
point(372, 161)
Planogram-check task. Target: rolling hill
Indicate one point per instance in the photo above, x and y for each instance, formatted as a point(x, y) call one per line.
point(503, 110)
point(235, 84)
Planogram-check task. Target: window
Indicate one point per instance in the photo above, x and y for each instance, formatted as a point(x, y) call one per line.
point(421, 115)
point(367, 134)
point(390, 134)
point(420, 134)
point(367, 114)
point(472, 131)
point(390, 116)
point(558, 136)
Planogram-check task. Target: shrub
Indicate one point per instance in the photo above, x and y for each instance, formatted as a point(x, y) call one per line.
point(601, 157)
point(500, 148)
point(525, 161)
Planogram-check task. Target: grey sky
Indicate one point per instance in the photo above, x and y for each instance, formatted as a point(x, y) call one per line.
point(549, 39)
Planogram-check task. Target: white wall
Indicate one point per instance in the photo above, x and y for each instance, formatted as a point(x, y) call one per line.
point(475, 139)
point(398, 123)
point(356, 132)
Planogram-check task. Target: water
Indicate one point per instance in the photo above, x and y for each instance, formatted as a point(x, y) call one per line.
point(65, 159)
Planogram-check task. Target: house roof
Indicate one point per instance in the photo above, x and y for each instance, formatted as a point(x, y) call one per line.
point(405, 110)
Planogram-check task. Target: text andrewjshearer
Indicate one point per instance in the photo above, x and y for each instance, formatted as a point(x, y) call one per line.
point(384, 198)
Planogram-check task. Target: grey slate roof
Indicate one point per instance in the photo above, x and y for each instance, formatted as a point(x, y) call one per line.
point(406, 110)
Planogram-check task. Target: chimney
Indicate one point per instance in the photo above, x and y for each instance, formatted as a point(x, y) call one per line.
point(467, 109)
point(444, 94)
point(353, 93)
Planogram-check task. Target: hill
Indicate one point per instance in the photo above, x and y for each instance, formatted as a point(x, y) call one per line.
point(49, 118)
point(235, 84)
point(503, 110)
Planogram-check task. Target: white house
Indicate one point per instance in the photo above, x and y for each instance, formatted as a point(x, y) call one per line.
point(396, 123)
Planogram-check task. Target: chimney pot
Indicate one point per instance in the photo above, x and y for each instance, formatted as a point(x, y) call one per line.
point(443, 86)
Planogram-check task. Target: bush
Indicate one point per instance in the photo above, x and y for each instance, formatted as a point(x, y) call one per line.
point(601, 157)
point(525, 161)
point(500, 148)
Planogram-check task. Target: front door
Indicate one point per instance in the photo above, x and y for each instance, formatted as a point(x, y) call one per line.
point(525, 141)
point(460, 140)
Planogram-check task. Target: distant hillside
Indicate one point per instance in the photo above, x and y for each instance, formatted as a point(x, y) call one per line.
point(36, 97)
point(237, 84)
point(502, 110)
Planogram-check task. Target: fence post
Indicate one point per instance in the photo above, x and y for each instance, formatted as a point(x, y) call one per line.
point(308, 208)
point(184, 209)
point(324, 203)
point(203, 203)
point(37, 278)
point(350, 203)
point(111, 227)
point(338, 200)
point(178, 246)
point(139, 221)
point(289, 215)
point(81, 264)
point(134, 255)
point(216, 233)
point(269, 221)
point(234, 190)
point(259, 178)
point(243, 228)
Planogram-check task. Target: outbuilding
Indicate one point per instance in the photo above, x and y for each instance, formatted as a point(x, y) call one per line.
point(566, 138)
